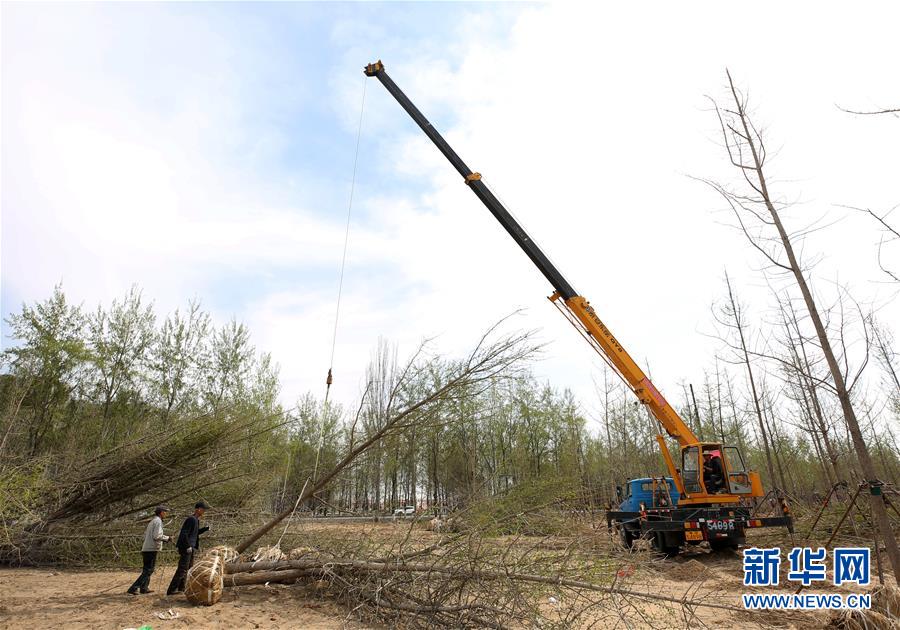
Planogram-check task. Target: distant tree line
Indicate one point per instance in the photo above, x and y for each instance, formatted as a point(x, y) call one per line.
point(78, 384)
point(93, 379)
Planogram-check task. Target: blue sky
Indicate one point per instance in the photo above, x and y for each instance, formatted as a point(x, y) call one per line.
point(267, 96)
point(205, 150)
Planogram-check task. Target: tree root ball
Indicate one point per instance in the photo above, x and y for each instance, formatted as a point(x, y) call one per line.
point(265, 554)
point(228, 554)
point(882, 616)
point(204, 583)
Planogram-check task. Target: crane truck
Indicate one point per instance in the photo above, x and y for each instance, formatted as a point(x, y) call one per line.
point(691, 504)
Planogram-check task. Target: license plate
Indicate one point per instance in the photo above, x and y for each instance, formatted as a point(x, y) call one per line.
point(693, 535)
point(724, 525)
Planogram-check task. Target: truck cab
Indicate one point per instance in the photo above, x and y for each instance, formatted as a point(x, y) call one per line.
point(648, 492)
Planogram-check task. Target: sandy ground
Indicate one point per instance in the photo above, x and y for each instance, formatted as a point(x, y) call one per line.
point(44, 598)
point(54, 598)
point(41, 598)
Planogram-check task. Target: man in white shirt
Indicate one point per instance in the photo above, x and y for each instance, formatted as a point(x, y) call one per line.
point(153, 541)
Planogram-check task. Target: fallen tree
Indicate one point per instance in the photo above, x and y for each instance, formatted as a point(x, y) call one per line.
point(50, 518)
point(473, 579)
point(489, 360)
point(246, 573)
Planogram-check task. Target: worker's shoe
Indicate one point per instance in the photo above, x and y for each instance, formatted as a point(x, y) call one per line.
point(132, 591)
point(146, 591)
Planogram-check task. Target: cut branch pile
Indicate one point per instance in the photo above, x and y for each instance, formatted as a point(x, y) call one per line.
point(469, 580)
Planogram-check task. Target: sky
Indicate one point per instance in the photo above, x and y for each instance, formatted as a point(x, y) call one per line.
point(206, 151)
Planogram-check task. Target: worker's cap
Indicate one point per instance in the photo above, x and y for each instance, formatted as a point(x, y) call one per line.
point(200, 505)
point(160, 509)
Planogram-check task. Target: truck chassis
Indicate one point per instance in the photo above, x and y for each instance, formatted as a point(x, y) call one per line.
point(668, 529)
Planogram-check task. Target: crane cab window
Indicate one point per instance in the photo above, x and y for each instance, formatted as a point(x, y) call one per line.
point(738, 478)
point(690, 469)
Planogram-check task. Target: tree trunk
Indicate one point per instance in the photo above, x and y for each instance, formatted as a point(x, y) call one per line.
point(805, 371)
point(763, 434)
point(876, 501)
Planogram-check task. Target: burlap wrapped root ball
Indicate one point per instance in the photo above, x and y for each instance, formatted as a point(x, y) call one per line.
point(205, 579)
point(265, 554)
point(309, 553)
point(298, 553)
point(228, 554)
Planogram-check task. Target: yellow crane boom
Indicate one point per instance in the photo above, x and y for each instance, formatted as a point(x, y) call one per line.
point(688, 474)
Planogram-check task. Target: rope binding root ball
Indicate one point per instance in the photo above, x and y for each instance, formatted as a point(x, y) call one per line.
point(204, 583)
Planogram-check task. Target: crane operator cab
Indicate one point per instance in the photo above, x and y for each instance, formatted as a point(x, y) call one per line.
point(714, 469)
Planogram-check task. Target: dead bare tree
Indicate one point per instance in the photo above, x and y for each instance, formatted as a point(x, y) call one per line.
point(887, 357)
point(733, 317)
point(759, 216)
point(873, 112)
point(889, 234)
point(803, 374)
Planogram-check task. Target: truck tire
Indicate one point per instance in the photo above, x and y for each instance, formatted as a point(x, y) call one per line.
point(665, 547)
point(626, 537)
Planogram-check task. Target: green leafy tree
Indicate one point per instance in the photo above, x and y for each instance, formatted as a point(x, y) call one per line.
point(175, 359)
point(119, 340)
point(48, 359)
point(227, 366)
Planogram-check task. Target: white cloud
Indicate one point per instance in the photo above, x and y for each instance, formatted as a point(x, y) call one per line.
point(586, 120)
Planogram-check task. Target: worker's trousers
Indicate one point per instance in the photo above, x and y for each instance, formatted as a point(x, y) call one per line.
point(185, 560)
point(143, 582)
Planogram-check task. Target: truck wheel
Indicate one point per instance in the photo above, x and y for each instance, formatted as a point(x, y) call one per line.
point(660, 544)
point(723, 545)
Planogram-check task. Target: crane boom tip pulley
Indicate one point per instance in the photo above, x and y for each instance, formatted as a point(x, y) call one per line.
point(373, 68)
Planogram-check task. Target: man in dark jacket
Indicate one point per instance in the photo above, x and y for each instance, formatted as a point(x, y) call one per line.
point(188, 544)
point(713, 475)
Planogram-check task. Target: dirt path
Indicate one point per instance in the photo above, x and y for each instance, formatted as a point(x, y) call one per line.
point(42, 598)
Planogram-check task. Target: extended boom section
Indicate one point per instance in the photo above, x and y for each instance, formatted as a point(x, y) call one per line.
point(583, 316)
point(575, 307)
point(518, 233)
